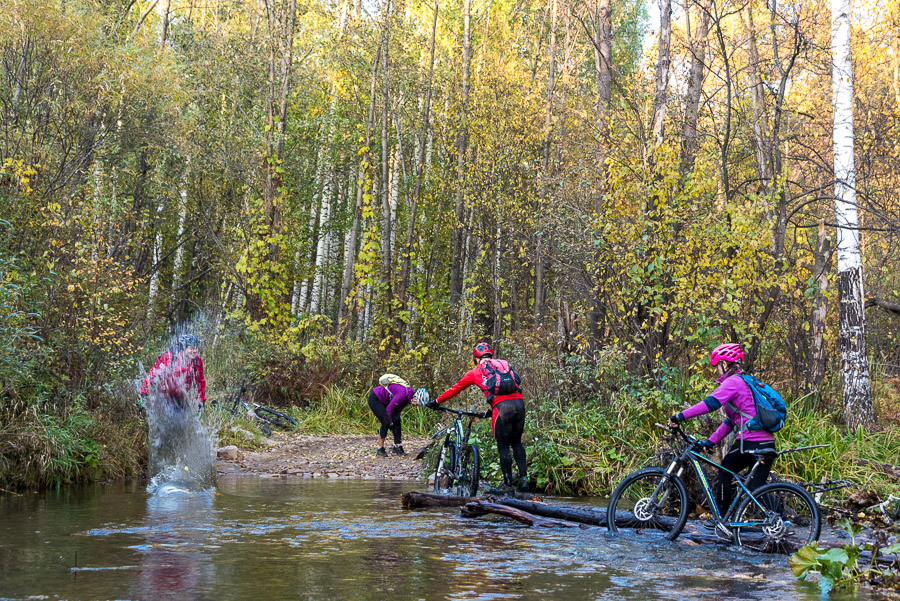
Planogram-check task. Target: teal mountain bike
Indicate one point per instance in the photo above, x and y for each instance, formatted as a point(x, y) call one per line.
point(458, 466)
point(776, 517)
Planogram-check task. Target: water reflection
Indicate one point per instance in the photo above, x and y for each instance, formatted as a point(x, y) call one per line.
point(176, 559)
point(266, 539)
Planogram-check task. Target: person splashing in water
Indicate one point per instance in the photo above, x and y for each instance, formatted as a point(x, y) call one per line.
point(177, 371)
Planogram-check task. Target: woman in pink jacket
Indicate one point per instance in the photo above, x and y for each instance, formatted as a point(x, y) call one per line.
point(732, 393)
point(178, 370)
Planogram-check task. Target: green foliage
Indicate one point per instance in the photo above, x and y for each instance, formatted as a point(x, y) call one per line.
point(839, 567)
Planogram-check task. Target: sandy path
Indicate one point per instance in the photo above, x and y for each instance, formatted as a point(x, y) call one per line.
point(327, 456)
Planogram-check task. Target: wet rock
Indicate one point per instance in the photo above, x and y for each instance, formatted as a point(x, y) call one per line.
point(231, 453)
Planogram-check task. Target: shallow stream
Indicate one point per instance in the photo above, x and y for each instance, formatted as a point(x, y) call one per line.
point(267, 539)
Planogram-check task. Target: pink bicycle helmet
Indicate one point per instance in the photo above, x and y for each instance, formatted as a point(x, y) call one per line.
point(726, 352)
point(482, 350)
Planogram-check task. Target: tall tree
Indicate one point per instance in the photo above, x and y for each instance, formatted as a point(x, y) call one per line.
point(457, 269)
point(421, 157)
point(698, 44)
point(858, 408)
point(540, 260)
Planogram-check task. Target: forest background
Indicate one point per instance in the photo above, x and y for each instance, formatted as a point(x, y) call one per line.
point(329, 189)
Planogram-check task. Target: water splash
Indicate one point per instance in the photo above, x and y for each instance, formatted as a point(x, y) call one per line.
point(182, 445)
point(182, 438)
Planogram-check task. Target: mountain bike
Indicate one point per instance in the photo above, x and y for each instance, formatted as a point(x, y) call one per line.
point(255, 412)
point(775, 517)
point(458, 466)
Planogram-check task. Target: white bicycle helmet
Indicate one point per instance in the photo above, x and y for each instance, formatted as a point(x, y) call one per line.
point(421, 396)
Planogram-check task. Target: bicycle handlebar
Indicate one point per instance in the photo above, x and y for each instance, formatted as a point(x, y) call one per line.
point(677, 430)
point(459, 412)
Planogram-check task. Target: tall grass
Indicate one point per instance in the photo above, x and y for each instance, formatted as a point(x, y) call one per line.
point(44, 450)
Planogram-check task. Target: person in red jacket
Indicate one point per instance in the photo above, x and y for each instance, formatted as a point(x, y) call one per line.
point(507, 412)
point(178, 370)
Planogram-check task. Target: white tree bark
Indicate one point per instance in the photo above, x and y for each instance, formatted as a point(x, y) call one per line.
point(662, 71)
point(322, 246)
point(858, 409)
point(179, 252)
point(395, 195)
point(157, 256)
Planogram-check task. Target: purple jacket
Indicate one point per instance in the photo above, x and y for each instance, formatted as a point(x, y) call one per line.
point(732, 389)
point(395, 397)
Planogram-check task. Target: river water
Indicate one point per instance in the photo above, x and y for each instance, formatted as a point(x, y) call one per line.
point(269, 539)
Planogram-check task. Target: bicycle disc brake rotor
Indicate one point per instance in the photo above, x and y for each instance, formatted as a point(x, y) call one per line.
point(644, 510)
point(776, 528)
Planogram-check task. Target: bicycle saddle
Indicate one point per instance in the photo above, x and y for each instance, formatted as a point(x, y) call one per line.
point(765, 454)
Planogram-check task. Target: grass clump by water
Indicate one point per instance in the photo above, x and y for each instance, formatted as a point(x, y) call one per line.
point(44, 447)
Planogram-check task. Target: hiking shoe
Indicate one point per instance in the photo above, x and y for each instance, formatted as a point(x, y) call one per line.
point(381, 452)
point(523, 484)
point(397, 449)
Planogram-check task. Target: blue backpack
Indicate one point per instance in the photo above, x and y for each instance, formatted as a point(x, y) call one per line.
point(770, 408)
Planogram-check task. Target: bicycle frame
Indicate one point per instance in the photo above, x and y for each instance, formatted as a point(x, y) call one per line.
point(693, 458)
point(460, 436)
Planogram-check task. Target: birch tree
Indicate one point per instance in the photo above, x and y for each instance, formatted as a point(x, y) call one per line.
point(858, 409)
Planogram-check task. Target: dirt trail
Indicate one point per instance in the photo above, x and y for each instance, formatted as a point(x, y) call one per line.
point(327, 456)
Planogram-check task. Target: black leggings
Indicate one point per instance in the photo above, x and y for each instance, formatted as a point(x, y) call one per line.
point(736, 461)
point(509, 423)
point(380, 412)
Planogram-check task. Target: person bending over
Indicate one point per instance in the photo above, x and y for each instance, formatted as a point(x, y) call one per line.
point(387, 401)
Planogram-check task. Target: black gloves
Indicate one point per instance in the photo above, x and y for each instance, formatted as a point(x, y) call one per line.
point(488, 413)
point(432, 404)
point(676, 419)
point(705, 445)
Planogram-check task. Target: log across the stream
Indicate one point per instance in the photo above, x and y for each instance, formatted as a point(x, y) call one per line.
point(532, 511)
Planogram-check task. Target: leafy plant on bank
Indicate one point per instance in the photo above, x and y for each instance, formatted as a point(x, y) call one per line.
point(840, 567)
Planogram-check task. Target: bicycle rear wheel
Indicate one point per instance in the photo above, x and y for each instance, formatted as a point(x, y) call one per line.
point(469, 472)
point(788, 519)
point(648, 499)
point(276, 418)
point(444, 468)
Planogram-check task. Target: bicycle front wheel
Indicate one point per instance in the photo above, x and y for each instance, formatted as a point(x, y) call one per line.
point(469, 473)
point(444, 468)
point(276, 418)
point(648, 499)
point(786, 518)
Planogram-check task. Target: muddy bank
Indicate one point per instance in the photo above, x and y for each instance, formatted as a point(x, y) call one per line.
point(327, 456)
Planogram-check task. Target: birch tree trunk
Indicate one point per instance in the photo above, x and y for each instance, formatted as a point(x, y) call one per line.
point(163, 21)
point(459, 257)
point(157, 256)
point(539, 260)
point(858, 409)
point(662, 71)
point(386, 230)
point(698, 45)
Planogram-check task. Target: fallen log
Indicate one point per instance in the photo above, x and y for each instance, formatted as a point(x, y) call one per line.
point(480, 508)
point(419, 500)
point(591, 517)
